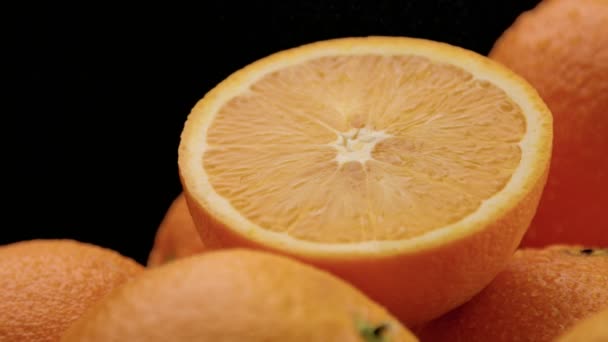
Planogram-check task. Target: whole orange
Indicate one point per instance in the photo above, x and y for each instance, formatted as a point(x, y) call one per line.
point(541, 293)
point(177, 236)
point(237, 295)
point(561, 48)
point(45, 285)
point(591, 329)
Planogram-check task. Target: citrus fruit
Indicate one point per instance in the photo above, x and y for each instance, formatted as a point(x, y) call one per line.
point(45, 285)
point(177, 236)
point(590, 329)
point(237, 295)
point(408, 167)
point(541, 293)
point(561, 48)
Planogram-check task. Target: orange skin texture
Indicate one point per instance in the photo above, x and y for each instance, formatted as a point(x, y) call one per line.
point(234, 295)
point(428, 295)
point(591, 329)
point(45, 285)
point(177, 236)
point(540, 294)
point(561, 48)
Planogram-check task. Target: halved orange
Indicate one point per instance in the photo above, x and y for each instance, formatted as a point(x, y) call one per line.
point(410, 168)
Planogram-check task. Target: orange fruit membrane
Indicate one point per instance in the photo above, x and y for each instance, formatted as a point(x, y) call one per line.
point(237, 295)
point(408, 167)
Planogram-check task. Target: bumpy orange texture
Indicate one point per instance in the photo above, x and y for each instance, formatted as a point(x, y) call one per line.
point(541, 293)
point(45, 285)
point(237, 295)
point(561, 48)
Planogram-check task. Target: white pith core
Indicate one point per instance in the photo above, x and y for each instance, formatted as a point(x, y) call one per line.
point(357, 144)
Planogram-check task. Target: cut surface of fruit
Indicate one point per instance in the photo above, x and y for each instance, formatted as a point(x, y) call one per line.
point(365, 147)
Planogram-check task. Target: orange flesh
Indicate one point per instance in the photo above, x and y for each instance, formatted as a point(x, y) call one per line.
point(358, 148)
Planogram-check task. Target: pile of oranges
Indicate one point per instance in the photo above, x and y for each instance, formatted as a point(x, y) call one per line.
point(365, 189)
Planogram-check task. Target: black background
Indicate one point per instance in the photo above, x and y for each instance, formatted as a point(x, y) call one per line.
point(102, 95)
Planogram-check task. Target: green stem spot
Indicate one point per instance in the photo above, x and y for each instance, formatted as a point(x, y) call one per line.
point(373, 332)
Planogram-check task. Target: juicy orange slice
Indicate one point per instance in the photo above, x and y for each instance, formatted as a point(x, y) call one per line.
point(365, 155)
